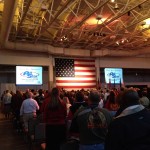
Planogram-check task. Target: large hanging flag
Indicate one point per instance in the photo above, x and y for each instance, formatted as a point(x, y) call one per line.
point(75, 74)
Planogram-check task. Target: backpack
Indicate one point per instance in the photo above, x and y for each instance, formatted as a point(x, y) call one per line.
point(95, 120)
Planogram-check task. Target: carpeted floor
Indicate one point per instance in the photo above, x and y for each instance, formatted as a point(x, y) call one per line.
point(10, 139)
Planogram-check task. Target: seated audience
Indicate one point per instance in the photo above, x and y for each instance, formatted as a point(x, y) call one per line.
point(91, 123)
point(130, 130)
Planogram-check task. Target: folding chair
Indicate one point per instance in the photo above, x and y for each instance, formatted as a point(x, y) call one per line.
point(39, 135)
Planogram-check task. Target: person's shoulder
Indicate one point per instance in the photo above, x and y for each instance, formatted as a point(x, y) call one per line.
point(104, 110)
point(62, 103)
point(80, 110)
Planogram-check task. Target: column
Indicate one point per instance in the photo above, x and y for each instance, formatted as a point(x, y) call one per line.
point(51, 73)
point(97, 65)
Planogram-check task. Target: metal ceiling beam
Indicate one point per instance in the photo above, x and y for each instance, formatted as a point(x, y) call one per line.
point(55, 17)
point(24, 15)
point(86, 17)
point(95, 42)
point(116, 17)
point(7, 19)
point(146, 29)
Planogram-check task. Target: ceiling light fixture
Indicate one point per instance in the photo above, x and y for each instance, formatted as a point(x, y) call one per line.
point(116, 6)
point(147, 21)
point(44, 7)
point(99, 17)
point(143, 23)
point(117, 43)
point(113, 37)
point(126, 31)
point(112, 1)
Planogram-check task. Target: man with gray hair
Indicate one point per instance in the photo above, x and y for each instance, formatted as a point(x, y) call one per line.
point(28, 109)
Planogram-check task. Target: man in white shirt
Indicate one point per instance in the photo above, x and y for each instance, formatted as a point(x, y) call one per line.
point(7, 103)
point(28, 109)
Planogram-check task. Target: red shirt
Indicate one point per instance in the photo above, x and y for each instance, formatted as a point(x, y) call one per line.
point(55, 117)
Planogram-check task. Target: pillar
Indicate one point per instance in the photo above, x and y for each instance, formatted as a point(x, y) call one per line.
point(97, 65)
point(51, 73)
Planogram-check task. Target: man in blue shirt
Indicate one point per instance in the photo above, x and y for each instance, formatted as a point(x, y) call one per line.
point(28, 109)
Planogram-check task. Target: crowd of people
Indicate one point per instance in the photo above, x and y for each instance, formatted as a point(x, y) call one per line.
point(104, 119)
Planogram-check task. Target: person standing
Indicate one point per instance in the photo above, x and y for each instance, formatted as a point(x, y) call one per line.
point(91, 123)
point(55, 113)
point(28, 109)
point(130, 130)
point(7, 103)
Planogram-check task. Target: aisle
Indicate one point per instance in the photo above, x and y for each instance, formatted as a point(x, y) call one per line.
point(9, 138)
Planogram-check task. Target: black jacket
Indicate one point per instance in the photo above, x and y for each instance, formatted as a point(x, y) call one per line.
point(131, 132)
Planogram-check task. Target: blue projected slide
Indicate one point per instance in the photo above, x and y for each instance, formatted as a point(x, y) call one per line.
point(28, 75)
point(113, 75)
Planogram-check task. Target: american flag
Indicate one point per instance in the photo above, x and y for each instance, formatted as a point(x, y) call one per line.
point(75, 74)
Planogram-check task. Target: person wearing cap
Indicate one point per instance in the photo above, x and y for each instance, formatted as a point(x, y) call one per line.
point(130, 130)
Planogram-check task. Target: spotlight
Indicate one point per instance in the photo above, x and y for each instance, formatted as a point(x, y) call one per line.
point(99, 17)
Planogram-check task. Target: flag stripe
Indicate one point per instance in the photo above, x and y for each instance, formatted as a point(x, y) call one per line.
point(79, 87)
point(84, 75)
point(84, 60)
point(75, 84)
point(75, 81)
point(84, 65)
point(84, 68)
